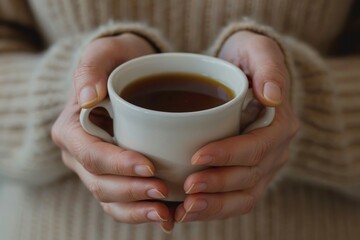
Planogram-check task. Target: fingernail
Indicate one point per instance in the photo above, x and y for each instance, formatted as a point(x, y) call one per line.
point(195, 188)
point(179, 215)
point(197, 206)
point(143, 170)
point(165, 230)
point(88, 96)
point(202, 160)
point(272, 93)
point(189, 217)
point(154, 193)
point(182, 218)
point(154, 216)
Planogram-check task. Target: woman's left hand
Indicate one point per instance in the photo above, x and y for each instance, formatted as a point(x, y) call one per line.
point(243, 166)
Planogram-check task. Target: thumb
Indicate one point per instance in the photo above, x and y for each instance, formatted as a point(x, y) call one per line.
point(263, 61)
point(91, 74)
point(270, 79)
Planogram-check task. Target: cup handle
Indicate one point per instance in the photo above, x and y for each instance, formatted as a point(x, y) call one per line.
point(90, 127)
point(264, 120)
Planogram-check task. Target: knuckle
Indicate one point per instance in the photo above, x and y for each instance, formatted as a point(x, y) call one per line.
point(217, 207)
point(220, 182)
point(55, 134)
point(82, 71)
point(132, 194)
point(89, 163)
point(275, 72)
point(228, 159)
point(262, 147)
point(256, 173)
point(122, 167)
point(249, 204)
point(97, 190)
point(136, 217)
point(119, 168)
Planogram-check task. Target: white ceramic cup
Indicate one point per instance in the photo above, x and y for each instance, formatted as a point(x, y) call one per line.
point(170, 139)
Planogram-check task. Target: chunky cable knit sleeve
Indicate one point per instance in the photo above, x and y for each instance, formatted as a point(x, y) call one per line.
point(33, 90)
point(326, 97)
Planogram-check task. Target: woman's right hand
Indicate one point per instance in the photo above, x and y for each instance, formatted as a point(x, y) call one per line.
point(119, 179)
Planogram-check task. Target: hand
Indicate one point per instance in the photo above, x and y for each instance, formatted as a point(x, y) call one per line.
point(243, 166)
point(119, 179)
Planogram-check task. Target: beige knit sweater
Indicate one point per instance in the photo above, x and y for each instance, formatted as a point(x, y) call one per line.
point(318, 196)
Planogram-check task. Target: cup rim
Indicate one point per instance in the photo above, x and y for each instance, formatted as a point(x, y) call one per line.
point(213, 110)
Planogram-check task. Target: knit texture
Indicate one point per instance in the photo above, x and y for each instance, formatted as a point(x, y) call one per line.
point(192, 25)
point(66, 210)
point(44, 85)
point(318, 194)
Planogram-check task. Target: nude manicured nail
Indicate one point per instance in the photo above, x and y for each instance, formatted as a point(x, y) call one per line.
point(143, 170)
point(154, 216)
point(88, 95)
point(182, 218)
point(272, 92)
point(197, 206)
point(203, 160)
point(195, 188)
point(165, 230)
point(156, 194)
point(189, 217)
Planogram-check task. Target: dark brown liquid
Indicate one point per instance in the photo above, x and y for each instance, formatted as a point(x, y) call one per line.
point(177, 92)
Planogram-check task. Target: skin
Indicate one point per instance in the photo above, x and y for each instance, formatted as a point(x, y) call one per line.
point(122, 180)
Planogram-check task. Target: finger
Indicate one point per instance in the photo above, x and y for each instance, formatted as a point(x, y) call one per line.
point(168, 225)
point(100, 157)
point(223, 179)
point(90, 76)
point(104, 158)
point(99, 59)
point(263, 59)
point(110, 188)
point(96, 156)
point(251, 148)
point(214, 206)
point(244, 150)
point(137, 212)
point(267, 68)
point(221, 205)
